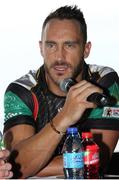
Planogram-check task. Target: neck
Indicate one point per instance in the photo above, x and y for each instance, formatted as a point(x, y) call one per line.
point(54, 88)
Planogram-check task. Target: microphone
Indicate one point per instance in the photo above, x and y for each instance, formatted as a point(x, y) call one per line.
point(98, 98)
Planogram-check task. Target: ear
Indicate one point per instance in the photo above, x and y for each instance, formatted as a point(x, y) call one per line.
point(40, 46)
point(87, 49)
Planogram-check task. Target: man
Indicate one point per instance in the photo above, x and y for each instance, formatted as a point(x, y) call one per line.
point(36, 139)
point(5, 167)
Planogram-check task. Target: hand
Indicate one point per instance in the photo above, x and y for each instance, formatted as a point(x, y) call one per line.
point(76, 101)
point(5, 167)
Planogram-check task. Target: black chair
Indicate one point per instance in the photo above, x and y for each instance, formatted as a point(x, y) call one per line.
point(113, 170)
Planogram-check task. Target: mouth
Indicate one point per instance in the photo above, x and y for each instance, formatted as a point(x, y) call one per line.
point(60, 68)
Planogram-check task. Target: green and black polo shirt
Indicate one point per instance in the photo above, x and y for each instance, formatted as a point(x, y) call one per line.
point(19, 104)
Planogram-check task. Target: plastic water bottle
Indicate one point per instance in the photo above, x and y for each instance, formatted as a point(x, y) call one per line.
point(91, 156)
point(1, 141)
point(73, 155)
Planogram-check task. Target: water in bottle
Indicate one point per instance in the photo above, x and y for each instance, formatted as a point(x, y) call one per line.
point(73, 155)
point(91, 156)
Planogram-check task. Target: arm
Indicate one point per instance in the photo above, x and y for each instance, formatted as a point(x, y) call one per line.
point(30, 148)
point(39, 148)
point(54, 168)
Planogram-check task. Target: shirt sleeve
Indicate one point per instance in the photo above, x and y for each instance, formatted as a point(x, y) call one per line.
point(18, 106)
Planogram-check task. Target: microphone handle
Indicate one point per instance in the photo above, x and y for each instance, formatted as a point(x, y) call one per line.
point(99, 99)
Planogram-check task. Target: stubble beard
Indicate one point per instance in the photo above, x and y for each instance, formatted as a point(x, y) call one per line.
point(74, 72)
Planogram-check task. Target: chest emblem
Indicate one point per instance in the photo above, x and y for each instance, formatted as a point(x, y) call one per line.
point(111, 112)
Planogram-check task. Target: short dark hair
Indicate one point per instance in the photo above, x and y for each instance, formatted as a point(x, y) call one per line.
point(69, 12)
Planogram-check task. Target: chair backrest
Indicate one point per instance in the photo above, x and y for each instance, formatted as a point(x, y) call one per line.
point(114, 165)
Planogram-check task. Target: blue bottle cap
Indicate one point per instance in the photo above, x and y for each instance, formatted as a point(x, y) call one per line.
point(72, 130)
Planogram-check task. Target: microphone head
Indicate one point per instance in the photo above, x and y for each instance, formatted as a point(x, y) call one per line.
point(104, 101)
point(66, 84)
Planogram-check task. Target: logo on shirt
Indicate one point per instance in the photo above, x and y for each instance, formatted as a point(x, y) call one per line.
point(111, 112)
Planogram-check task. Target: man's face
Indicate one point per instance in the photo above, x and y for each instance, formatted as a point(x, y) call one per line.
point(63, 49)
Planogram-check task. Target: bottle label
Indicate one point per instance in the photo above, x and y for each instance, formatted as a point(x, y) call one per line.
point(2, 144)
point(91, 157)
point(73, 160)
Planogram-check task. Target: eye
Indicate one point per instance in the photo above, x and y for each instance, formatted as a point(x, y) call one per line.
point(50, 45)
point(70, 45)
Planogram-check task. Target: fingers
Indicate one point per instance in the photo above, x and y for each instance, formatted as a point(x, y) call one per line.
point(4, 153)
point(76, 101)
point(5, 167)
point(85, 88)
point(5, 170)
point(5, 174)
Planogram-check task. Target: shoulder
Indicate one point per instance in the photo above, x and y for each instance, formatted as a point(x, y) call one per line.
point(19, 91)
point(106, 75)
point(26, 81)
point(18, 98)
point(102, 70)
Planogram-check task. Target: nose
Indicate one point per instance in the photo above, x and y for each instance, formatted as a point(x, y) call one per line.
point(60, 53)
